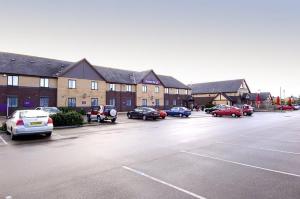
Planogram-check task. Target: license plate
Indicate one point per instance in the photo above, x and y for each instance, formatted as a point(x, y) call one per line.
point(35, 123)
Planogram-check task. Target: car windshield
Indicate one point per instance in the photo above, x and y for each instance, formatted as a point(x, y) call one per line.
point(33, 114)
point(51, 109)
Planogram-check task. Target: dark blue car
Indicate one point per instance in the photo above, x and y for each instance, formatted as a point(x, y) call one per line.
point(179, 111)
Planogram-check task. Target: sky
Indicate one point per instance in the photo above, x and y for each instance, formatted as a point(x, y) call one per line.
point(193, 40)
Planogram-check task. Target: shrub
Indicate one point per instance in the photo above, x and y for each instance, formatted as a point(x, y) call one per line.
point(209, 105)
point(70, 118)
point(66, 109)
point(82, 111)
point(3, 127)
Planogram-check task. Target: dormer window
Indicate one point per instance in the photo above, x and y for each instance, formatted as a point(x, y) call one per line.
point(12, 80)
point(44, 82)
point(112, 87)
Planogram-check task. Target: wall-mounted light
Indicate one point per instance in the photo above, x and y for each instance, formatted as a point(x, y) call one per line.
point(4, 75)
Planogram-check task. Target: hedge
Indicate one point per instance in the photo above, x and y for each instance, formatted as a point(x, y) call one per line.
point(71, 118)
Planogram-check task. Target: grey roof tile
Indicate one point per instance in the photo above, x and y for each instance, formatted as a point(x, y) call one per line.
point(217, 87)
point(171, 82)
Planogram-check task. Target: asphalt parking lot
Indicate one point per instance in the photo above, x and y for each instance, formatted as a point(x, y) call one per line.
point(197, 157)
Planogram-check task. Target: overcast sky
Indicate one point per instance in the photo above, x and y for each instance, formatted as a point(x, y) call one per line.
point(192, 40)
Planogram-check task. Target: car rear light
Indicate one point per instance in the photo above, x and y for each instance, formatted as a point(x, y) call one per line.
point(50, 121)
point(20, 123)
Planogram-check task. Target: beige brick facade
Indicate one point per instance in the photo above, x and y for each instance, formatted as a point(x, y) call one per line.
point(83, 92)
point(29, 81)
point(150, 95)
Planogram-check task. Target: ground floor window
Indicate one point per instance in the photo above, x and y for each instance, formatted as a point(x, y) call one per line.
point(156, 102)
point(167, 102)
point(144, 102)
point(12, 101)
point(94, 101)
point(44, 101)
point(71, 102)
point(174, 102)
point(112, 102)
point(128, 102)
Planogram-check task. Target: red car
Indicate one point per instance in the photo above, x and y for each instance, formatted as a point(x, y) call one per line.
point(247, 110)
point(162, 114)
point(228, 111)
point(285, 108)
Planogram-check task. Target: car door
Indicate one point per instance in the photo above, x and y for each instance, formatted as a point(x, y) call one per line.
point(134, 113)
point(174, 111)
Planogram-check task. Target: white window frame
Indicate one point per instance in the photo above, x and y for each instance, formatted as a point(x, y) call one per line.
point(167, 90)
point(72, 98)
point(44, 82)
point(157, 104)
point(128, 88)
point(9, 101)
point(94, 85)
point(96, 99)
point(144, 88)
point(156, 89)
point(44, 97)
point(144, 100)
point(112, 87)
point(72, 84)
point(13, 80)
point(177, 91)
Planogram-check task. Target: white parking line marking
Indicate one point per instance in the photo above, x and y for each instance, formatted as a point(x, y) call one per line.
point(242, 164)
point(260, 137)
point(259, 148)
point(163, 182)
point(1, 138)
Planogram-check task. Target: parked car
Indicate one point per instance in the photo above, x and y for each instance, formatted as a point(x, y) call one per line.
point(296, 107)
point(143, 113)
point(179, 111)
point(285, 108)
point(228, 111)
point(214, 108)
point(162, 114)
point(25, 122)
point(102, 113)
point(50, 110)
point(247, 110)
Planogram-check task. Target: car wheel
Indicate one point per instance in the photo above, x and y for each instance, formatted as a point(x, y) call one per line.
point(245, 114)
point(233, 115)
point(129, 116)
point(215, 114)
point(180, 115)
point(144, 117)
point(113, 120)
point(163, 117)
point(89, 119)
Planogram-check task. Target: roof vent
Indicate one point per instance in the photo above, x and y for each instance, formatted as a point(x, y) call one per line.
point(48, 63)
point(13, 59)
point(32, 62)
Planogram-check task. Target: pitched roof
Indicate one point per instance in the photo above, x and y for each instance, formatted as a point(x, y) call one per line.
point(12, 63)
point(252, 96)
point(171, 82)
point(217, 87)
point(29, 65)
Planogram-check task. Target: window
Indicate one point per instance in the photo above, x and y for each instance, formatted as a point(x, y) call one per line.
point(44, 82)
point(128, 102)
point(12, 101)
point(71, 102)
point(44, 101)
point(144, 102)
point(72, 83)
point(112, 102)
point(94, 85)
point(167, 90)
point(12, 80)
point(156, 102)
point(186, 92)
point(167, 102)
point(157, 89)
point(112, 87)
point(144, 89)
point(94, 102)
point(174, 102)
point(129, 88)
point(177, 91)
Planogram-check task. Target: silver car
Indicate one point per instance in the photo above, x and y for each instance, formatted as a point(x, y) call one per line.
point(50, 110)
point(25, 122)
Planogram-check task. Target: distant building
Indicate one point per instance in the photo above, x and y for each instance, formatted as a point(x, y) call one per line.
point(266, 99)
point(228, 92)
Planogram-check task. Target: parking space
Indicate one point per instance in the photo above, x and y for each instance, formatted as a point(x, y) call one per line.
point(198, 157)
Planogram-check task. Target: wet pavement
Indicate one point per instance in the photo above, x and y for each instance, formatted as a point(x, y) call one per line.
point(177, 158)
